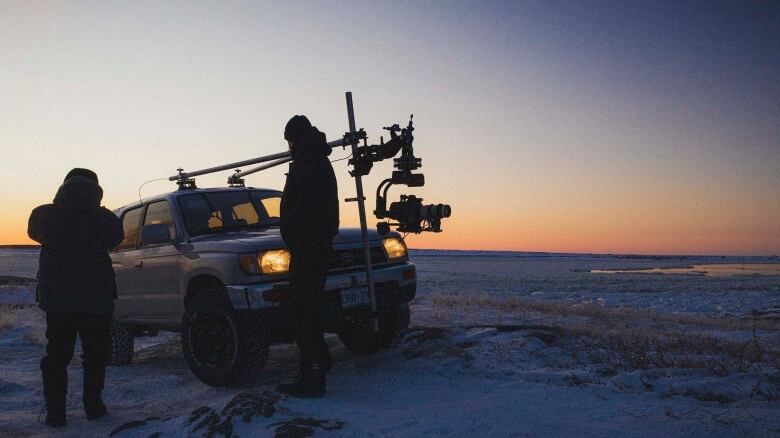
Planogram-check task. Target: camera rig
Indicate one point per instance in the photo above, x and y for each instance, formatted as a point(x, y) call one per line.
point(409, 214)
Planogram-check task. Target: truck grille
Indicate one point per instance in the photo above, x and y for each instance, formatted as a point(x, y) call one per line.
point(353, 258)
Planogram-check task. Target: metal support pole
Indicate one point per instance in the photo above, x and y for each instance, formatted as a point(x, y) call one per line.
point(362, 211)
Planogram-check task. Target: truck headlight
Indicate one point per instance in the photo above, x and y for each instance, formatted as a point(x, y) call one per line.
point(395, 248)
point(276, 261)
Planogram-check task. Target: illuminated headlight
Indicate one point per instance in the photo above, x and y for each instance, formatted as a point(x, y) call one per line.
point(275, 262)
point(395, 248)
point(269, 262)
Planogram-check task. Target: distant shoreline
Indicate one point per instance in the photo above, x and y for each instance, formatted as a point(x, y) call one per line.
point(489, 252)
point(12, 280)
point(20, 246)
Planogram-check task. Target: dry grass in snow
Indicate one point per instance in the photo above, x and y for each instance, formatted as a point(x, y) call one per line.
point(29, 318)
point(628, 339)
point(522, 307)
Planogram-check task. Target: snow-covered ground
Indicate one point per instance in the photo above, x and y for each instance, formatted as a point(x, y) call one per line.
point(500, 346)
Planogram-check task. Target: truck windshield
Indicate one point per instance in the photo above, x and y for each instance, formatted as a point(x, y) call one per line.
point(213, 212)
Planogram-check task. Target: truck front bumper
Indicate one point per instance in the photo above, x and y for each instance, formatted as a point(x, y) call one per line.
point(394, 284)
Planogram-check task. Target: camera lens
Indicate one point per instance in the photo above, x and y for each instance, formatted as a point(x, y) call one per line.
point(435, 211)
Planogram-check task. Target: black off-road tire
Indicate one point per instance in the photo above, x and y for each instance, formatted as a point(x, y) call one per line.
point(218, 349)
point(360, 338)
point(122, 343)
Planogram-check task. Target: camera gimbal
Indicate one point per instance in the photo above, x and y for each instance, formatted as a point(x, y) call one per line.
point(411, 215)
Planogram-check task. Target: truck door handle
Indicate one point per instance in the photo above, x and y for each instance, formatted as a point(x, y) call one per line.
point(139, 265)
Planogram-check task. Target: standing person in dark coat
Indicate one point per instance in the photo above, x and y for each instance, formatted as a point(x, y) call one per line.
point(309, 220)
point(76, 289)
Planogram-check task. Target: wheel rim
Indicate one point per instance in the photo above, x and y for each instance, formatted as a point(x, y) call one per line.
point(213, 339)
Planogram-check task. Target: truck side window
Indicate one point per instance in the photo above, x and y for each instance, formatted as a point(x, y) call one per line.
point(160, 213)
point(130, 221)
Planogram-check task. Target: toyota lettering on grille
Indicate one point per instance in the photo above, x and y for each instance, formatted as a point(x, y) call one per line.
point(347, 257)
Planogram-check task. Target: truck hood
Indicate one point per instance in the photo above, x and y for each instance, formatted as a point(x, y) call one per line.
point(262, 240)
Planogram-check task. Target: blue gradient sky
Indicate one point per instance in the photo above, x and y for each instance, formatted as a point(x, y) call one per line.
point(554, 126)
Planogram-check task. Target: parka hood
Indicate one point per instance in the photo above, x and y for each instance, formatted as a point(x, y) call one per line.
point(79, 193)
point(311, 145)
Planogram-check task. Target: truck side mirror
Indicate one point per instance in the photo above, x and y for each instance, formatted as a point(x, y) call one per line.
point(155, 234)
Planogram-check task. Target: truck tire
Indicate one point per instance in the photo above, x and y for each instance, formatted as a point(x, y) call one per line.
point(360, 338)
point(218, 349)
point(122, 344)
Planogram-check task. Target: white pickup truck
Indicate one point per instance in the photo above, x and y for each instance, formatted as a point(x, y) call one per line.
point(211, 264)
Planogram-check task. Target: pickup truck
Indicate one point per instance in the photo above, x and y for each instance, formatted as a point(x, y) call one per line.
point(211, 264)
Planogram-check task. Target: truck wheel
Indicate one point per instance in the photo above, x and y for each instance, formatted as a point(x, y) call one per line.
point(219, 351)
point(122, 344)
point(360, 338)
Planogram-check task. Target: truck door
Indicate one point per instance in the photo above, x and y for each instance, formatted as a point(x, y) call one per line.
point(159, 266)
point(126, 262)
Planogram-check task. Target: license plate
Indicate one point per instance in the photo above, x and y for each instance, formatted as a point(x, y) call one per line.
point(354, 296)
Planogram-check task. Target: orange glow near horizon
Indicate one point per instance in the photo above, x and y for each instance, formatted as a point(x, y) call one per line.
point(563, 232)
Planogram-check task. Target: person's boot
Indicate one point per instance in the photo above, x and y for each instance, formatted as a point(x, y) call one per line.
point(95, 409)
point(55, 413)
point(94, 379)
point(309, 384)
point(293, 388)
point(325, 357)
point(55, 384)
point(316, 387)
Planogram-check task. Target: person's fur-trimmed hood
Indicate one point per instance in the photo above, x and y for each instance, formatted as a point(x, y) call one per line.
point(79, 193)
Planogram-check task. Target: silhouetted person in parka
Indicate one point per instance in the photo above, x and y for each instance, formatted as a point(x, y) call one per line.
point(76, 289)
point(309, 219)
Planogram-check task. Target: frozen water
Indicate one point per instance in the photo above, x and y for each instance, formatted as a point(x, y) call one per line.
point(565, 277)
point(568, 278)
point(19, 263)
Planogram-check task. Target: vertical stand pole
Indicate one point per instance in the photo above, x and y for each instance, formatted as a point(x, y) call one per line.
point(362, 211)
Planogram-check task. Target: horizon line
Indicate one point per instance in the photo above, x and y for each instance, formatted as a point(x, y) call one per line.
point(34, 246)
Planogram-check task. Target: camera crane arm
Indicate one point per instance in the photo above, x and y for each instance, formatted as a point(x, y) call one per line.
point(275, 160)
point(238, 177)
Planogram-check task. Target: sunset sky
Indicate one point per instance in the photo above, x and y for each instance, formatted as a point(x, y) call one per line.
point(619, 127)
